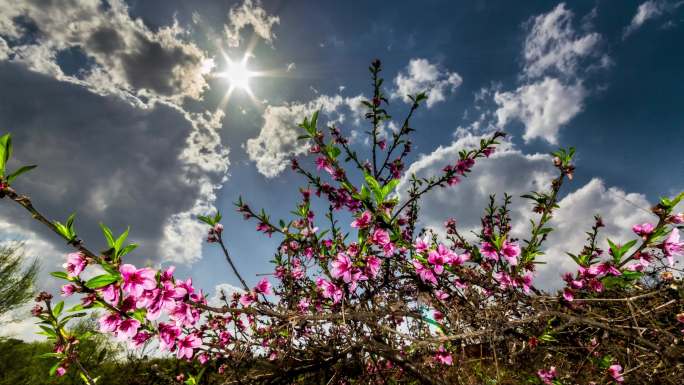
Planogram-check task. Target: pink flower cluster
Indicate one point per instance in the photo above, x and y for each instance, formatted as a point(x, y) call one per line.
point(142, 295)
point(437, 260)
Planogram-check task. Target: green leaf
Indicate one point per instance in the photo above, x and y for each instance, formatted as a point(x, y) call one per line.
point(70, 222)
point(389, 187)
point(374, 187)
point(84, 378)
point(11, 177)
point(334, 152)
point(625, 248)
point(48, 330)
point(101, 281)
point(122, 238)
point(60, 275)
point(108, 235)
point(51, 355)
point(54, 367)
point(57, 310)
point(76, 307)
point(128, 249)
point(206, 220)
point(314, 121)
point(5, 152)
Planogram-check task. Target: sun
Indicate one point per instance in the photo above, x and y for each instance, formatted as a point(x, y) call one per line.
point(238, 74)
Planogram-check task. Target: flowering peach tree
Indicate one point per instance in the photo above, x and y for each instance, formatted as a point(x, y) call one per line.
point(376, 299)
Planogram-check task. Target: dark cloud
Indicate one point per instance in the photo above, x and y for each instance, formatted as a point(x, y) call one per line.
point(98, 156)
point(125, 53)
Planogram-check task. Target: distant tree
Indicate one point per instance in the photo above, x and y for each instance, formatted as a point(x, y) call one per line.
point(16, 281)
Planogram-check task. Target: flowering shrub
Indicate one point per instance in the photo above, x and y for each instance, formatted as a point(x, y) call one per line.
point(377, 300)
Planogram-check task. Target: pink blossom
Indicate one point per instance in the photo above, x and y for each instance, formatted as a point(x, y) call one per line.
point(137, 280)
point(588, 272)
point(187, 345)
point(68, 289)
point(489, 251)
point(680, 317)
point(380, 237)
point(165, 299)
point(615, 371)
point(373, 266)
point(672, 246)
point(643, 230)
point(167, 275)
point(75, 264)
point(504, 279)
point(202, 358)
point(677, 218)
point(168, 333)
point(608, 268)
point(224, 338)
point(185, 285)
point(510, 252)
point(303, 305)
point(342, 267)
point(441, 295)
point(127, 328)
point(247, 299)
point(183, 314)
point(425, 273)
point(439, 257)
point(329, 290)
point(568, 295)
point(422, 245)
point(596, 285)
point(110, 294)
point(526, 283)
point(547, 376)
point(459, 259)
point(109, 322)
point(443, 357)
point(322, 163)
point(362, 221)
point(60, 371)
point(263, 287)
point(139, 339)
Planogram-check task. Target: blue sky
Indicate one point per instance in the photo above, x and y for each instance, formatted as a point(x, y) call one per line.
point(118, 104)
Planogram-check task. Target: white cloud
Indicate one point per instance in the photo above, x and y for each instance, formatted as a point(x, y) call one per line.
point(649, 10)
point(543, 107)
point(553, 43)
point(277, 141)
point(126, 55)
point(220, 290)
point(252, 14)
point(552, 90)
point(512, 171)
point(422, 76)
point(494, 175)
point(620, 211)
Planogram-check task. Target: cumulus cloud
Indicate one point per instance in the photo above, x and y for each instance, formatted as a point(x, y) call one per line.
point(620, 211)
point(552, 90)
point(122, 54)
point(494, 175)
point(250, 13)
point(277, 140)
point(509, 170)
point(422, 76)
point(553, 44)
point(649, 10)
point(543, 107)
point(126, 168)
